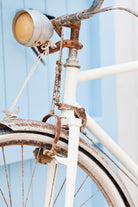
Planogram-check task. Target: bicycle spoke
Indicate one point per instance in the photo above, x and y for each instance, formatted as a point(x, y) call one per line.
point(32, 178)
point(6, 176)
point(81, 186)
point(3, 197)
point(90, 198)
point(75, 193)
point(131, 179)
point(59, 192)
point(53, 185)
point(22, 178)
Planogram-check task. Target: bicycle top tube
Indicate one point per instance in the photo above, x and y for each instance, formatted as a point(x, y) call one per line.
point(86, 14)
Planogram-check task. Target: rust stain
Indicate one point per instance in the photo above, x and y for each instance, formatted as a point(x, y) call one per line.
point(78, 112)
point(66, 43)
point(54, 148)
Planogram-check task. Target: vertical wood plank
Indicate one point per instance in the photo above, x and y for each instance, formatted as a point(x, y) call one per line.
point(126, 40)
point(39, 184)
point(16, 182)
point(107, 53)
point(12, 152)
point(2, 74)
point(14, 57)
point(3, 186)
point(60, 178)
point(56, 8)
point(38, 84)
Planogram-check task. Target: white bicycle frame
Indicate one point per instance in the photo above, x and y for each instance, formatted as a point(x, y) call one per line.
point(72, 77)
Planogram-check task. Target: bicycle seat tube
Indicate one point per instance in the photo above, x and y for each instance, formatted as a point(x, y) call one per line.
point(69, 120)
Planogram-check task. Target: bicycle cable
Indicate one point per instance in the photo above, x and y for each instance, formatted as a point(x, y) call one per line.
point(10, 112)
point(45, 48)
point(57, 84)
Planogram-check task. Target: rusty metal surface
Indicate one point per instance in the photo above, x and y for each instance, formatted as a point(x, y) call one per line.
point(72, 60)
point(79, 112)
point(76, 16)
point(70, 24)
point(96, 5)
point(97, 11)
point(57, 77)
point(89, 13)
point(54, 148)
point(42, 158)
point(57, 84)
point(66, 43)
point(19, 124)
point(73, 52)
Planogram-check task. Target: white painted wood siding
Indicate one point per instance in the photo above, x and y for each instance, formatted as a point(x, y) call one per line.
point(126, 34)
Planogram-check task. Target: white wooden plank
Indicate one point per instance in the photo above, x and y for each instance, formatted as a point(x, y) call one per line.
point(127, 92)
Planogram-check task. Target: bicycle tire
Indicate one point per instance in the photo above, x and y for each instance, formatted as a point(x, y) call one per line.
point(34, 133)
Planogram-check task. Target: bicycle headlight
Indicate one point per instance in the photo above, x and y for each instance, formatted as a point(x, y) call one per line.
point(31, 28)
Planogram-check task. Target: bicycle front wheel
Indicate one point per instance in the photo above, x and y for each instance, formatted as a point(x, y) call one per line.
point(23, 133)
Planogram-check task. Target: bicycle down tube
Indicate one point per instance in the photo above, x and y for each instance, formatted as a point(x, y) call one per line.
point(93, 127)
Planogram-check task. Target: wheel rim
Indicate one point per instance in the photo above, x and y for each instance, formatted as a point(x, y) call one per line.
point(63, 148)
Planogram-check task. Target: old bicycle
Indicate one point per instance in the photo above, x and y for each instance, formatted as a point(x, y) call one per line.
point(51, 141)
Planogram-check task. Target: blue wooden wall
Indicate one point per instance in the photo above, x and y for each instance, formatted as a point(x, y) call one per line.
point(15, 62)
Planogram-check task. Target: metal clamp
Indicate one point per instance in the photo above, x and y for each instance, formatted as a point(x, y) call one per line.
point(54, 148)
point(79, 112)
